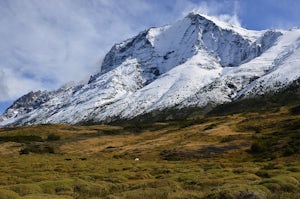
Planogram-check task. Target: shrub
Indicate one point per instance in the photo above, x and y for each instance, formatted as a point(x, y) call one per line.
point(110, 132)
point(288, 151)
point(21, 138)
point(247, 126)
point(147, 193)
point(57, 187)
point(25, 189)
point(50, 149)
point(134, 128)
point(295, 110)
point(36, 148)
point(247, 195)
point(24, 151)
point(85, 190)
point(258, 147)
point(230, 138)
point(53, 137)
point(263, 174)
point(220, 195)
point(211, 126)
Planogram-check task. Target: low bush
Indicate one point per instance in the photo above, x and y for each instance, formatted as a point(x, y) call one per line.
point(263, 174)
point(247, 195)
point(24, 151)
point(230, 138)
point(220, 195)
point(25, 189)
point(289, 151)
point(211, 126)
point(37, 148)
point(58, 187)
point(258, 147)
point(110, 132)
point(53, 137)
point(295, 110)
point(21, 138)
point(86, 190)
point(148, 193)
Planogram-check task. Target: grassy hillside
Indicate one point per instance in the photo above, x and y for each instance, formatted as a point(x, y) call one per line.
point(227, 154)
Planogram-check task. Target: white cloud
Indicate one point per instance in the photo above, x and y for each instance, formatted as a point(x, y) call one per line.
point(224, 11)
point(3, 86)
point(47, 43)
point(12, 83)
point(232, 19)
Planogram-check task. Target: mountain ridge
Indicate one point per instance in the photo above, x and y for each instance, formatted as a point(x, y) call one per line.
point(195, 62)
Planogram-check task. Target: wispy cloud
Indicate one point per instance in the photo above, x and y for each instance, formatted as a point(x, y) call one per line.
point(3, 87)
point(226, 11)
point(47, 43)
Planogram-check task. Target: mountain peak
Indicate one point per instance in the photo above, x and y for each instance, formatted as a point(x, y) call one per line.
point(195, 15)
point(196, 62)
point(198, 17)
point(165, 44)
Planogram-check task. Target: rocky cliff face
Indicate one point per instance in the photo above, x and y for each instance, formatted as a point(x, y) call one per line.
point(195, 62)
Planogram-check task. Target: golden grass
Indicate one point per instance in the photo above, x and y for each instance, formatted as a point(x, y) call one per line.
point(202, 160)
point(9, 148)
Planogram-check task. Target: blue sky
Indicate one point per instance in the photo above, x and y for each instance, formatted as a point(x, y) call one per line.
point(45, 44)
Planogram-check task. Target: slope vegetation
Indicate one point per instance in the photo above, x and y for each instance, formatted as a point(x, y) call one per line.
point(249, 152)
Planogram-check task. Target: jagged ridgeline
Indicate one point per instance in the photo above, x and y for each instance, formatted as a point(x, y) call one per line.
point(196, 63)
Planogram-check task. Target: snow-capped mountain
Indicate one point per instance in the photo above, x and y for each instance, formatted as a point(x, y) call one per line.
point(195, 62)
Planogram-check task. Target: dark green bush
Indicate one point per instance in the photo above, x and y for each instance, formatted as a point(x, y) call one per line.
point(258, 147)
point(289, 151)
point(110, 132)
point(37, 148)
point(211, 126)
point(247, 195)
point(21, 138)
point(295, 110)
point(53, 137)
point(230, 138)
point(263, 174)
point(220, 195)
point(49, 149)
point(82, 190)
point(24, 151)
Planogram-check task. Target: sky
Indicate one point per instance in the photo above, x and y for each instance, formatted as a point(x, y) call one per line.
point(45, 44)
